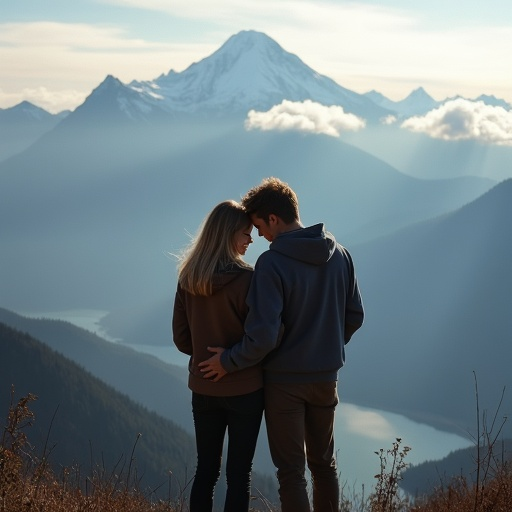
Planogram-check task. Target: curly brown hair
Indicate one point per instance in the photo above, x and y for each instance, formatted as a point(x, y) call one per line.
point(272, 196)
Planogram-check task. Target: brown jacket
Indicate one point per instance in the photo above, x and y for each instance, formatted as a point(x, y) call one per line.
point(215, 321)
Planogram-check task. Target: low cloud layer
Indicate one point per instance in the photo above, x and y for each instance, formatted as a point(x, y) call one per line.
point(307, 117)
point(462, 119)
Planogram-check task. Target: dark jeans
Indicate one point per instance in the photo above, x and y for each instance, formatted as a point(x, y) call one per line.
point(300, 428)
point(241, 415)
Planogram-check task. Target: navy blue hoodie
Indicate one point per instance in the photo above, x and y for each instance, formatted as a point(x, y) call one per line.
point(304, 305)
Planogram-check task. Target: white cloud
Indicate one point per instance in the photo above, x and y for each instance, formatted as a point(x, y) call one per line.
point(71, 35)
point(367, 423)
point(391, 119)
point(307, 116)
point(51, 100)
point(462, 119)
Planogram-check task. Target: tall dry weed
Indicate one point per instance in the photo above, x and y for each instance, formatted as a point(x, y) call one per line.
point(490, 487)
point(28, 483)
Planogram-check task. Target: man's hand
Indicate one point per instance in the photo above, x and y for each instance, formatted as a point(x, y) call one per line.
point(212, 368)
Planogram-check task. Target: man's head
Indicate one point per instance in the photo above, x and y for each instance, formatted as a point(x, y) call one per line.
point(273, 207)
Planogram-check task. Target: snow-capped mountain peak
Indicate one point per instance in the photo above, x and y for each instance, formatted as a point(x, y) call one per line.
point(249, 71)
point(237, 72)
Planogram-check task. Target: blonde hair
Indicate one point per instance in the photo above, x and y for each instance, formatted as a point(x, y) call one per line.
point(213, 248)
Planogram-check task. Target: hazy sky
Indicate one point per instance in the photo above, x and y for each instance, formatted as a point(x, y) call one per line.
point(54, 52)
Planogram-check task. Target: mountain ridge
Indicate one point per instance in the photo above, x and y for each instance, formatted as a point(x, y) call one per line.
point(98, 357)
point(86, 423)
point(416, 103)
point(23, 124)
point(249, 71)
point(441, 309)
point(116, 196)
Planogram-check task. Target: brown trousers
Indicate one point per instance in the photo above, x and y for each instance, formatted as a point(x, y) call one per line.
point(300, 428)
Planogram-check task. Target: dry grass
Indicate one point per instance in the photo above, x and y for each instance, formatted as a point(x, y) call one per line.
point(461, 496)
point(29, 484)
point(491, 488)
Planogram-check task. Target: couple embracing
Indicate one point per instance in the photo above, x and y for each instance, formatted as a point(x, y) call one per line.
point(265, 340)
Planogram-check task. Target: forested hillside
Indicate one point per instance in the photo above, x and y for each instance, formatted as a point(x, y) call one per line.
point(84, 422)
point(158, 386)
point(424, 478)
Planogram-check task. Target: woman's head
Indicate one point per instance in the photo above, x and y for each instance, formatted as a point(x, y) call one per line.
point(221, 230)
point(222, 239)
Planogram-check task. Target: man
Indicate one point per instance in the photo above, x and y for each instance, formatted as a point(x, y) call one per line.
point(304, 305)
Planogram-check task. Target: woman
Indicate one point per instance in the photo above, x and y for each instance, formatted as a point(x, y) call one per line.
point(209, 310)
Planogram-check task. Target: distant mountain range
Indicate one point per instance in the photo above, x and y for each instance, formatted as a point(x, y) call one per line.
point(419, 102)
point(92, 211)
point(249, 71)
point(22, 125)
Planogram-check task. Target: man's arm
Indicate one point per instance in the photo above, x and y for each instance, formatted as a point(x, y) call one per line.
point(262, 327)
point(354, 311)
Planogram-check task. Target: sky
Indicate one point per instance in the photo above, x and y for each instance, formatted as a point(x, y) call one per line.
point(55, 52)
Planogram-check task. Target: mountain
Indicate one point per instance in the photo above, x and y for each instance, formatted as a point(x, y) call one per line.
point(437, 298)
point(485, 98)
point(419, 102)
point(22, 125)
point(139, 376)
point(416, 103)
point(87, 425)
point(250, 71)
point(426, 158)
point(113, 102)
point(495, 102)
point(108, 206)
point(423, 479)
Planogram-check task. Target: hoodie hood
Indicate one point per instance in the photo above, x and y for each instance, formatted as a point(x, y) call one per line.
point(311, 245)
point(225, 276)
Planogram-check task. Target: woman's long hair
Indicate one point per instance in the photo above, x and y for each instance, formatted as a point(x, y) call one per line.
point(213, 248)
